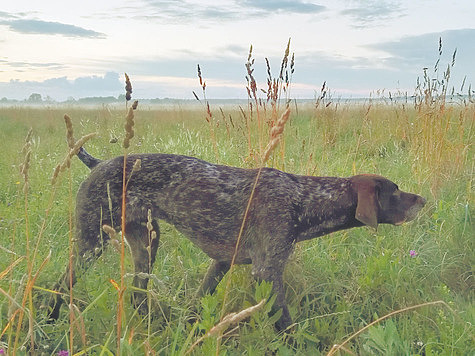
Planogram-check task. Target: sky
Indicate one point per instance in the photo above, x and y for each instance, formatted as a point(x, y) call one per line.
point(65, 49)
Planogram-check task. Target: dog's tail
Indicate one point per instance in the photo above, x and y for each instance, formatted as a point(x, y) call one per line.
point(87, 159)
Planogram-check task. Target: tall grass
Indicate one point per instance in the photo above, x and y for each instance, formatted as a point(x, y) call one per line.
point(275, 137)
point(345, 289)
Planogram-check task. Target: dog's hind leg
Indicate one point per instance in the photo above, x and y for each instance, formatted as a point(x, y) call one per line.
point(143, 245)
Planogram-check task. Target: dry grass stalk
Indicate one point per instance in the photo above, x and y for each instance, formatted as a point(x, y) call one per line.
point(69, 131)
point(202, 82)
point(285, 61)
point(275, 86)
point(128, 88)
point(223, 116)
point(251, 81)
point(438, 153)
point(10, 267)
point(152, 235)
point(24, 168)
point(56, 171)
point(137, 165)
point(129, 126)
point(248, 129)
point(135, 168)
point(80, 325)
point(74, 147)
point(129, 134)
point(209, 116)
point(234, 318)
point(27, 295)
point(135, 104)
point(252, 94)
point(27, 145)
point(227, 321)
point(276, 135)
point(109, 230)
point(149, 221)
point(284, 76)
point(72, 152)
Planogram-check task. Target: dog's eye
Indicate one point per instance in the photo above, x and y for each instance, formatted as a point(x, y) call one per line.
point(393, 188)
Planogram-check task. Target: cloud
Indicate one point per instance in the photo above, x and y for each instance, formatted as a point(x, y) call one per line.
point(285, 5)
point(398, 67)
point(229, 10)
point(416, 52)
point(109, 82)
point(61, 88)
point(174, 11)
point(369, 12)
point(7, 15)
point(48, 28)
point(30, 65)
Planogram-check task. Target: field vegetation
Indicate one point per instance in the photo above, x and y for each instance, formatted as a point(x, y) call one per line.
point(413, 283)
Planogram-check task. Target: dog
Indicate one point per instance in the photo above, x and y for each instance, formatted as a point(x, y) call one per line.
point(207, 203)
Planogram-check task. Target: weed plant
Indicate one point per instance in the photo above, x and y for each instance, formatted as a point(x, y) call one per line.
point(413, 282)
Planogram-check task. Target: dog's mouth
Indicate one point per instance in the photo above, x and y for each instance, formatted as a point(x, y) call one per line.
point(411, 213)
point(398, 223)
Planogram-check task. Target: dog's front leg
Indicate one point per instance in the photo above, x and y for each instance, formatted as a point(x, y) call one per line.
point(271, 269)
point(83, 256)
point(144, 248)
point(216, 272)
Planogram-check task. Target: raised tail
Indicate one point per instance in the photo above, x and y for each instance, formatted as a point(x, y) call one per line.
point(87, 159)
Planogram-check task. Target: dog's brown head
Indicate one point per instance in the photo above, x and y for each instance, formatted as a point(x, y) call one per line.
point(381, 202)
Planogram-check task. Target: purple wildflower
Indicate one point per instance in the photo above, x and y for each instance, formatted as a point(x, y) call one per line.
point(2, 352)
point(63, 353)
point(413, 253)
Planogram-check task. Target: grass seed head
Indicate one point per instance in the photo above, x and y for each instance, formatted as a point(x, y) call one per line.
point(75, 149)
point(137, 165)
point(149, 220)
point(55, 174)
point(128, 88)
point(24, 168)
point(27, 146)
point(109, 230)
point(129, 128)
point(69, 131)
point(276, 134)
point(199, 75)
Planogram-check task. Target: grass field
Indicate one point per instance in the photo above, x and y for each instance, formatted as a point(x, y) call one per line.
point(335, 285)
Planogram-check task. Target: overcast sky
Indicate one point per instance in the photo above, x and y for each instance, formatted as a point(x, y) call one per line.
point(82, 48)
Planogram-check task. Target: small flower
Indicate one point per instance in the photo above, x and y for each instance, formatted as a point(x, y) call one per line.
point(413, 253)
point(2, 352)
point(63, 353)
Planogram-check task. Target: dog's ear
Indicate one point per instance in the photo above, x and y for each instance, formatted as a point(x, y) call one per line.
point(367, 206)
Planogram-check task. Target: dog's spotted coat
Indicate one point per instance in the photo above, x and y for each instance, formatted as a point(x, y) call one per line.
point(206, 202)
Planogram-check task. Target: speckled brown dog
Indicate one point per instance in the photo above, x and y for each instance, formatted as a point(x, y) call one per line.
point(206, 202)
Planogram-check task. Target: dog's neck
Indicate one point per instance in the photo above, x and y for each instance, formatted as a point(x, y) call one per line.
point(323, 209)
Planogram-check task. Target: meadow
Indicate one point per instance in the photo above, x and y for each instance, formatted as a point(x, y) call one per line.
point(415, 281)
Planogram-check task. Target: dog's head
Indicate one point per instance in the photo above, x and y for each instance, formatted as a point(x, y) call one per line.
point(379, 201)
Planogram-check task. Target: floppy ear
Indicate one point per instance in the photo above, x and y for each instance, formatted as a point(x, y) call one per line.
point(367, 206)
